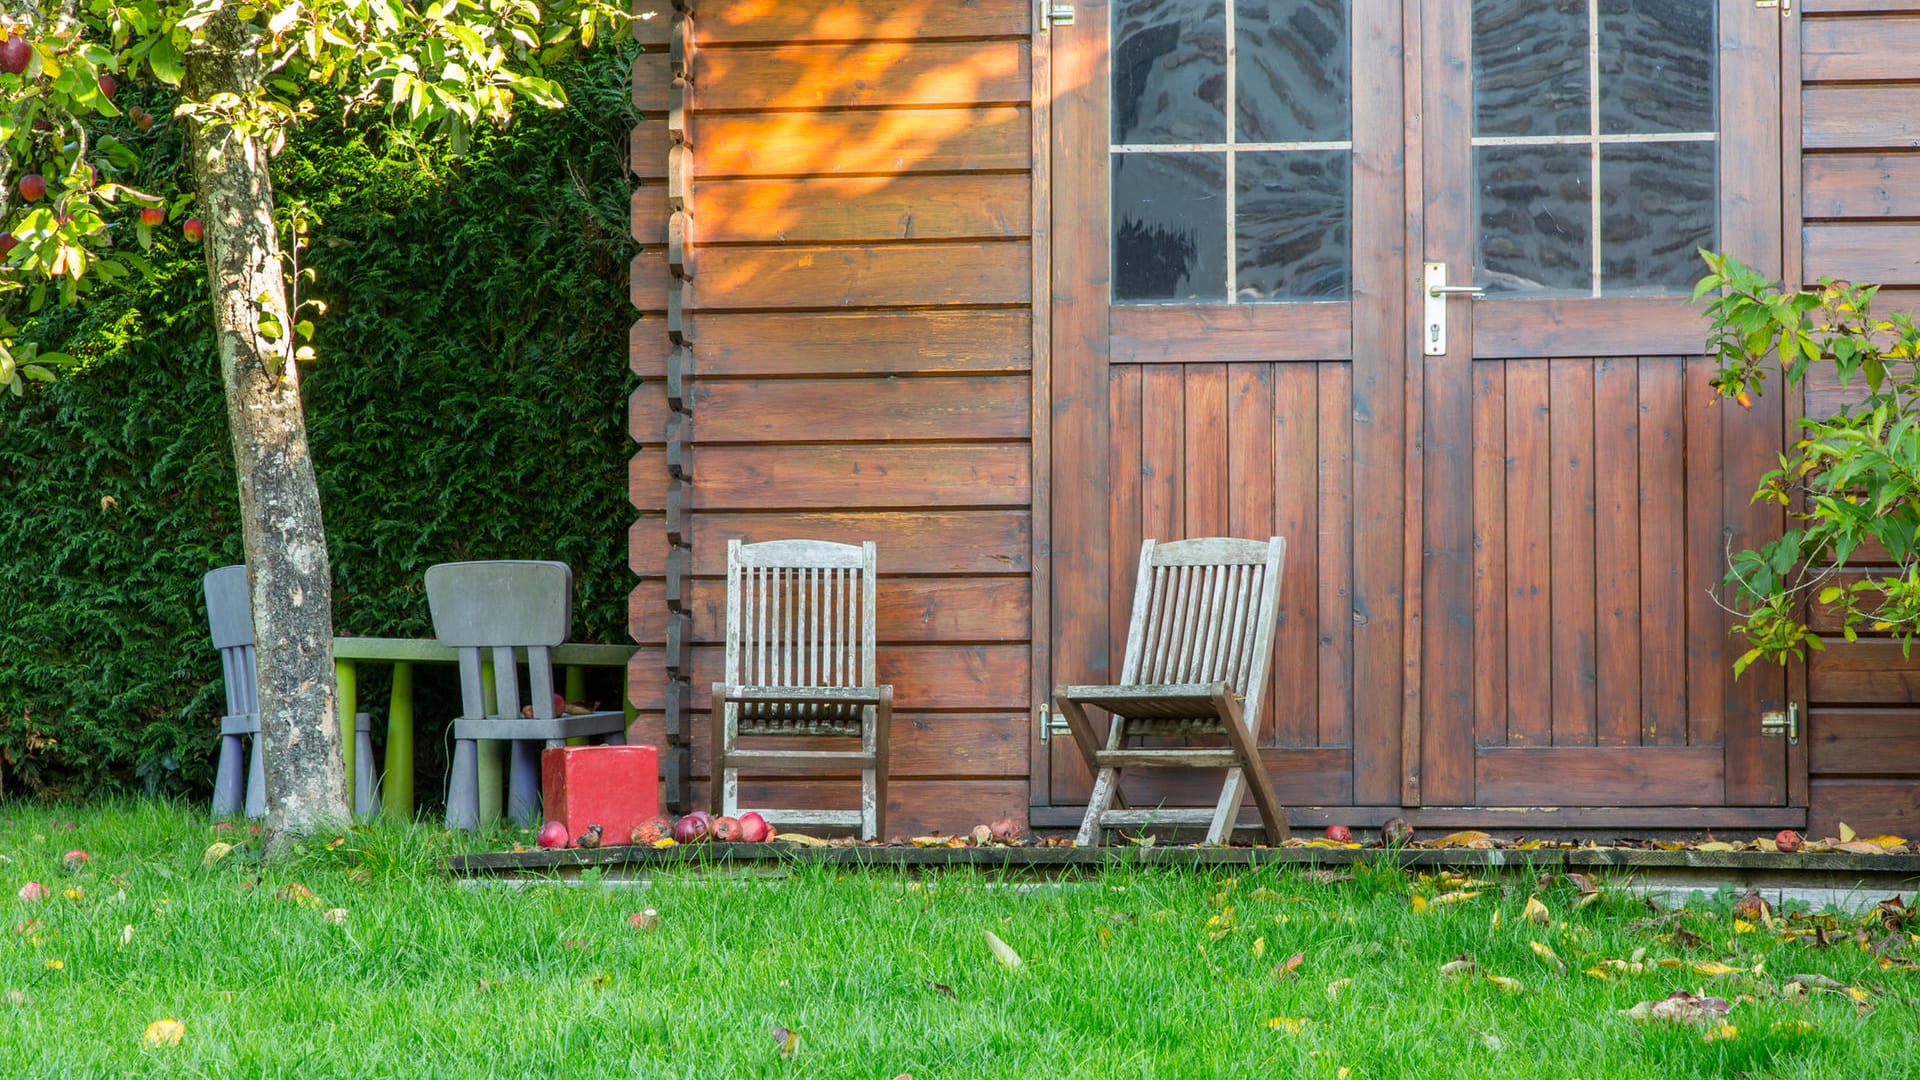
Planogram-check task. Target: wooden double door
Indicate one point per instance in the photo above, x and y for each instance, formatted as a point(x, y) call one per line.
point(1505, 534)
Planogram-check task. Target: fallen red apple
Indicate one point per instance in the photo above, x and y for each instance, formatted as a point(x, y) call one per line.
point(1787, 840)
point(691, 829)
point(726, 829)
point(553, 834)
point(1397, 832)
point(1006, 830)
point(754, 828)
point(33, 186)
point(15, 52)
point(192, 229)
point(107, 83)
point(75, 860)
point(1340, 834)
point(652, 831)
point(33, 892)
point(152, 215)
point(644, 920)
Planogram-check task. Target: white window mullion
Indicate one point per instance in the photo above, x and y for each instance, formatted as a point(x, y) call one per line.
point(1593, 128)
point(1232, 253)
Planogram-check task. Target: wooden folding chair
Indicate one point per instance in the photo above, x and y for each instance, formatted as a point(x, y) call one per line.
point(800, 661)
point(1199, 645)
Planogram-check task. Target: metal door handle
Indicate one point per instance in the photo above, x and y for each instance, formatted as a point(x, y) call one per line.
point(1052, 15)
point(1433, 336)
point(1473, 291)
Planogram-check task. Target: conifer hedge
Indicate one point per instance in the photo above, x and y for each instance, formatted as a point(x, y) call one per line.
point(468, 402)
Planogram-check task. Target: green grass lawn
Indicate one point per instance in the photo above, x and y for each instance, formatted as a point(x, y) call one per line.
point(1130, 974)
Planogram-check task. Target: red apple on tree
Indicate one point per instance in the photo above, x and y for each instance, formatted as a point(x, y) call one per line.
point(192, 229)
point(107, 83)
point(14, 54)
point(152, 215)
point(33, 186)
point(8, 242)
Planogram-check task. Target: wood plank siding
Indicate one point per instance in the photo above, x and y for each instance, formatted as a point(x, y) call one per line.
point(1860, 192)
point(848, 357)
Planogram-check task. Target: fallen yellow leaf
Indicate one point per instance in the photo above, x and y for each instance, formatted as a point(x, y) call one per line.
point(1713, 968)
point(1418, 902)
point(215, 852)
point(1337, 987)
point(1548, 957)
point(1511, 986)
point(1715, 1034)
point(1002, 951)
point(1846, 833)
point(1536, 912)
point(1742, 926)
point(1259, 947)
point(1292, 1025)
point(1457, 896)
point(167, 1032)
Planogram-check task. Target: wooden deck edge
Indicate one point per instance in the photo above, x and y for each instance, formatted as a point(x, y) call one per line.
point(1882, 871)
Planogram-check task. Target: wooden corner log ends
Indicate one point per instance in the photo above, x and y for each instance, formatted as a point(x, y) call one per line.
point(663, 83)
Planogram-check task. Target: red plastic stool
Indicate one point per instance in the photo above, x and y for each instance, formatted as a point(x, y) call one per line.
point(614, 787)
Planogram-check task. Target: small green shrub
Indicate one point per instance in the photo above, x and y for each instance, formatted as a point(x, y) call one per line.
point(1850, 480)
point(468, 402)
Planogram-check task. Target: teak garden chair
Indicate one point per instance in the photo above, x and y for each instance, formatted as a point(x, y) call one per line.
point(1199, 645)
point(485, 611)
point(800, 661)
point(230, 620)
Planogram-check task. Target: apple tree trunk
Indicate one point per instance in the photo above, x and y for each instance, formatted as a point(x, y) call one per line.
point(286, 546)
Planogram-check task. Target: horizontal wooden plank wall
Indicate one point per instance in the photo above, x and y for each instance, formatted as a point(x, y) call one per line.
point(856, 320)
point(1860, 173)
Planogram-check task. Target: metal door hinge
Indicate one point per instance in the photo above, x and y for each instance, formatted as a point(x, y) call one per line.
point(1776, 724)
point(1052, 15)
point(1052, 723)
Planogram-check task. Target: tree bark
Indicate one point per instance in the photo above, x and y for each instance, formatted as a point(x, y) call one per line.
point(285, 542)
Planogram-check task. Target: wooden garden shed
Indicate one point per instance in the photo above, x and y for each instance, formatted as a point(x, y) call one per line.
point(1007, 288)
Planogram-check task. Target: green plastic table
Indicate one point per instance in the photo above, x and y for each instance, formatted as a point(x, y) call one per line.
point(396, 793)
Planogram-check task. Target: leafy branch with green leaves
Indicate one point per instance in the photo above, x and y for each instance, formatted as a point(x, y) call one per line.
point(1849, 483)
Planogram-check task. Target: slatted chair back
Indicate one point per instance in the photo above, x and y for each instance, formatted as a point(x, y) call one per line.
point(484, 610)
point(1203, 611)
point(800, 613)
point(230, 621)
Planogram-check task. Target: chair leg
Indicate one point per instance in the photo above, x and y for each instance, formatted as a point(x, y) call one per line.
point(873, 782)
point(1097, 802)
point(229, 778)
point(523, 782)
point(614, 738)
point(721, 780)
point(463, 796)
point(366, 778)
point(257, 776)
point(1272, 814)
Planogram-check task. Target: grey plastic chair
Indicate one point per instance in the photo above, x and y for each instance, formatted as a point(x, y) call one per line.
point(230, 619)
point(485, 611)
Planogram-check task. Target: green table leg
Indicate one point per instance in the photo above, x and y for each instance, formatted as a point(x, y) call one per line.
point(493, 757)
point(576, 691)
point(396, 798)
point(346, 680)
